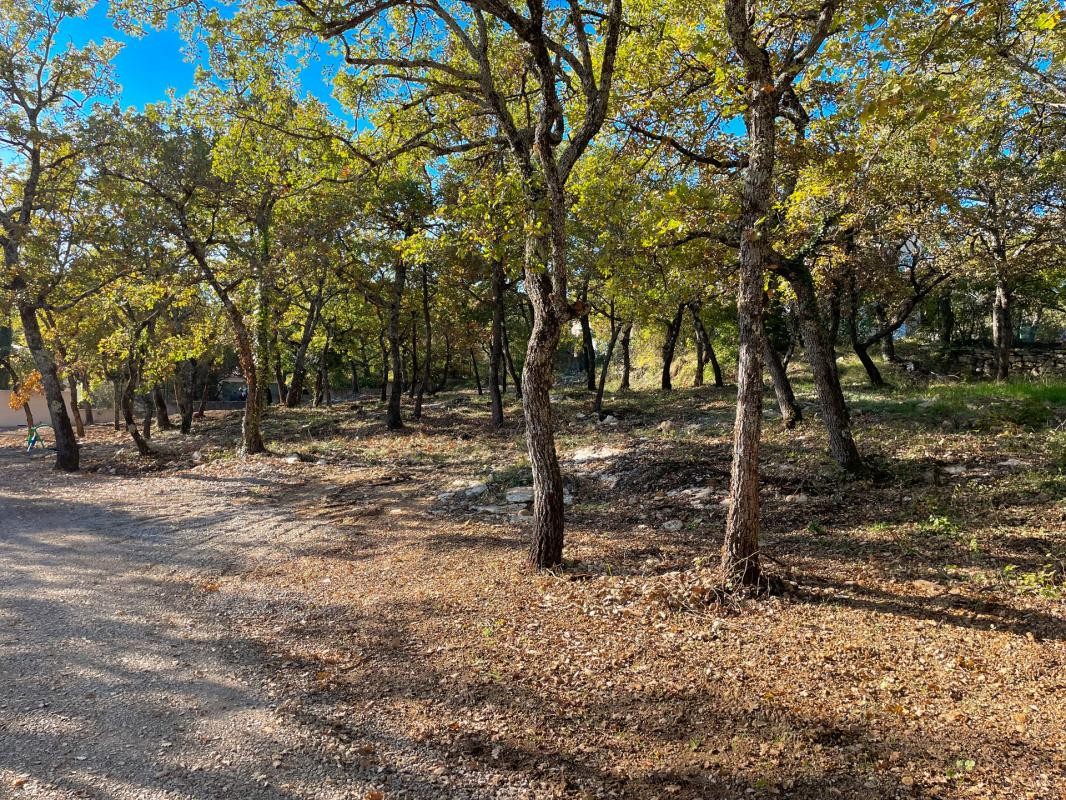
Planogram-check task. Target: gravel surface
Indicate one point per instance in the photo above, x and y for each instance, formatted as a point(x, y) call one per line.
point(123, 673)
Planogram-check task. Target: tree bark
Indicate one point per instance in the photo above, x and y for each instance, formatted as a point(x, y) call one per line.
point(515, 377)
point(477, 372)
point(588, 349)
point(307, 333)
point(72, 384)
point(1002, 330)
point(791, 415)
point(627, 337)
point(546, 549)
point(616, 329)
point(673, 330)
point(67, 454)
point(709, 356)
point(820, 356)
point(162, 418)
point(127, 403)
point(427, 357)
point(393, 420)
point(859, 346)
point(740, 550)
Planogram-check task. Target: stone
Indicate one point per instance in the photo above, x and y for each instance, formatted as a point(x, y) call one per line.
point(476, 490)
point(666, 425)
point(519, 494)
point(797, 498)
point(293, 459)
point(609, 420)
point(673, 525)
point(955, 469)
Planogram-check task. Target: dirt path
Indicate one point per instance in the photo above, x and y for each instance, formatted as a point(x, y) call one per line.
point(117, 682)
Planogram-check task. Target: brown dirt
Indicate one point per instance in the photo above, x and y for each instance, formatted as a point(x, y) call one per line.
point(920, 653)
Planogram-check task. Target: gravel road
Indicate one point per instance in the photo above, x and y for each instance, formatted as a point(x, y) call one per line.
point(116, 680)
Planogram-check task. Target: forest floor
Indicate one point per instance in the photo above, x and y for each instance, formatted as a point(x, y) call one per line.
point(351, 617)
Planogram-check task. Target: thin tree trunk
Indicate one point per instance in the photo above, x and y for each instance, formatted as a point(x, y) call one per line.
point(86, 402)
point(861, 348)
point(1002, 332)
point(126, 400)
point(791, 414)
point(72, 383)
point(477, 372)
point(116, 389)
point(355, 377)
point(588, 348)
point(834, 409)
point(393, 420)
point(740, 549)
point(162, 418)
point(616, 329)
point(427, 358)
point(518, 380)
point(627, 338)
point(673, 330)
point(67, 454)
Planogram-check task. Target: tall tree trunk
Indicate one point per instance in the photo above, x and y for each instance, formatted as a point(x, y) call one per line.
point(162, 418)
point(126, 400)
point(588, 349)
point(86, 401)
point(791, 415)
point(616, 329)
point(201, 412)
point(393, 420)
point(496, 343)
point(477, 372)
point(116, 390)
point(307, 334)
point(146, 431)
point(673, 330)
point(384, 366)
point(740, 550)
point(627, 338)
point(427, 357)
point(858, 345)
point(515, 377)
point(67, 455)
point(703, 338)
point(72, 383)
point(834, 409)
point(1002, 330)
point(537, 377)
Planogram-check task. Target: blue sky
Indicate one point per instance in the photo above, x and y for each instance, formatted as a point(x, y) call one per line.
point(149, 66)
